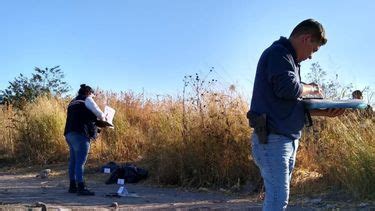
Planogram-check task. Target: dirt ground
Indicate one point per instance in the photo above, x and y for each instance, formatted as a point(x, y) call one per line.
point(21, 189)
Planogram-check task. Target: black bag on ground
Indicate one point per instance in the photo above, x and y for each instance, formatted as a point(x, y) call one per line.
point(129, 172)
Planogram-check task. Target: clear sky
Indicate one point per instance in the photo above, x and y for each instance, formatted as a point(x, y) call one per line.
point(150, 45)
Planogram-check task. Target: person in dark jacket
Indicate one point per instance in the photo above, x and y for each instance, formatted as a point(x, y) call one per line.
point(80, 128)
point(277, 113)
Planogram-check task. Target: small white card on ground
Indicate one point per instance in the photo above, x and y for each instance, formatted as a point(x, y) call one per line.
point(120, 181)
point(119, 191)
point(122, 191)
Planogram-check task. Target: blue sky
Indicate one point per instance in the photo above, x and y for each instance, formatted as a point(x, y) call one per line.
point(151, 44)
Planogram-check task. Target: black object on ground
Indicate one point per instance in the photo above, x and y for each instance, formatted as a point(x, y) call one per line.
point(129, 172)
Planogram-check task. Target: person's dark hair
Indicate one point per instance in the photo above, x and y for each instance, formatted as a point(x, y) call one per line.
point(312, 27)
point(85, 90)
point(357, 94)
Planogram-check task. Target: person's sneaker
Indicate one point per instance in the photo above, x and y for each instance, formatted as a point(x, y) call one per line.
point(83, 191)
point(72, 187)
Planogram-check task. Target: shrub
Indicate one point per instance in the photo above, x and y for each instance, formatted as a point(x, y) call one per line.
point(40, 129)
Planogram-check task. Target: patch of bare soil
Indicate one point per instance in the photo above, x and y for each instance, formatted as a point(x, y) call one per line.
point(22, 189)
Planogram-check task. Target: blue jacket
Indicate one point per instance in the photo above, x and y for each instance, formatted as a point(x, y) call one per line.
point(277, 89)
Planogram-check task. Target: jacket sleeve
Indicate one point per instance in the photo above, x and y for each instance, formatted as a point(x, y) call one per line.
point(93, 107)
point(282, 76)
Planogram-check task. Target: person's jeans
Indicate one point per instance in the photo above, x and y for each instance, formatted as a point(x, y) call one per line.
point(79, 146)
point(276, 161)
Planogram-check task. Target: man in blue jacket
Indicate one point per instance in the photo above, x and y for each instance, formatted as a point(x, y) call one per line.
point(277, 113)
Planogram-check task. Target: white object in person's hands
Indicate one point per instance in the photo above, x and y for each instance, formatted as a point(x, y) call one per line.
point(109, 113)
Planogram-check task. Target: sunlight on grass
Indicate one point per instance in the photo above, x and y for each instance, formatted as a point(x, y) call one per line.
point(196, 141)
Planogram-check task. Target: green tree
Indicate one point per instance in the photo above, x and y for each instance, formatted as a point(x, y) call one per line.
point(47, 81)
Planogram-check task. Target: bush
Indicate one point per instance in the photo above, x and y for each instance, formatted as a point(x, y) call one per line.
point(40, 129)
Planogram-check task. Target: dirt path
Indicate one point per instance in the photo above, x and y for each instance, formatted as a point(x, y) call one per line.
point(22, 189)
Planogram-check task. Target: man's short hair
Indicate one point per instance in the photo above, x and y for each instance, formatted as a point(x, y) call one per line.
point(312, 27)
point(357, 94)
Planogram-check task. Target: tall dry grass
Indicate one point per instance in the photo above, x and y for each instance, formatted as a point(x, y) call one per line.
point(33, 135)
point(342, 151)
point(196, 141)
point(7, 133)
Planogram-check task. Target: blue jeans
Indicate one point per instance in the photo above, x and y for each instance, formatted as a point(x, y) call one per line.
point(276, 161)
point(79, 146)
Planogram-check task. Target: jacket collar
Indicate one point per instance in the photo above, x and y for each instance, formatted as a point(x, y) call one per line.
point(288, 45)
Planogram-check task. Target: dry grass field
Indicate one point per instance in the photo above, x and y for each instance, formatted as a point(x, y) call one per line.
point(199, 140)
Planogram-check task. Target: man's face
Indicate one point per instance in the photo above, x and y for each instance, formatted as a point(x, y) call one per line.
point(309, 47)
point(357, 96)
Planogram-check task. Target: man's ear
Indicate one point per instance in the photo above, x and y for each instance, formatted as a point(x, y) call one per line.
point(305, 38)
